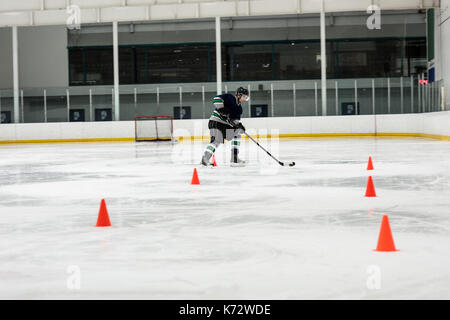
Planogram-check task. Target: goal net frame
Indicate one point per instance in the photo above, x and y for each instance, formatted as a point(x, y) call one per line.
point(157, 136)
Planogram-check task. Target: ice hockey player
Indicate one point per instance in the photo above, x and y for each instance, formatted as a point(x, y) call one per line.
point(225, 123)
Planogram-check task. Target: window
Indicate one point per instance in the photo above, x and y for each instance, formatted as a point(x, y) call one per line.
point(373, 58)
point(141, 65)
point(297, 60)
point(249, 62)
point(288, 60)
point(127, 64)
point(99, 66)
point(416, 51)
point(178, 64)
point(213, 67)
point(76, 65)
point(357, 58)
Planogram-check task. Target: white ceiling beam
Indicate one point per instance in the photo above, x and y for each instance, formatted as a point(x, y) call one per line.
point(399, 4)
point(265, 7)
point(87, 4)
point(13, 6)
point(124, 14)
point(14, 19)
point(55, 4)
point(342, 6)
point(53, 12)
point(50, 17)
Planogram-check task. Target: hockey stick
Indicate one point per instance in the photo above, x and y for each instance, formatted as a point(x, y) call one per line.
point(279, 162)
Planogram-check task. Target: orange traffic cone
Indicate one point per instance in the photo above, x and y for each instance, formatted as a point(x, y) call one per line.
point(370, 165)
point(370, 190)
point(103, 218)
point(214, 161)
point(195, 179)
point(385, 239)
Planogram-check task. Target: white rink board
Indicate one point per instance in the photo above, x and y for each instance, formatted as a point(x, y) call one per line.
point(437, 123)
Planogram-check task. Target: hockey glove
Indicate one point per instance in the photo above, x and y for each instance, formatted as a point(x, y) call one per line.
point(240, 127)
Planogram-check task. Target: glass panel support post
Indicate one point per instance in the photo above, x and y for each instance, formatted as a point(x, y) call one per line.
point(389, 94)
point(294, 98)
point(91, 111)
point(373, 97)
point(68, 104)
point(22, 106)
point(272, 107)
point(180, 92)
point(337, 97)
point(315, 99)
point(249, 101)
point(45, 106)
point(203, 102)
point(412, 94)
point(401, 96)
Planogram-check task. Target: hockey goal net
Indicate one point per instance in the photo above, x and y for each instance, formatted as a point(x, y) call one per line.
point(154, 128)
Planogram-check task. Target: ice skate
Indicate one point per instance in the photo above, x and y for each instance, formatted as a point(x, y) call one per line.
point(237, 162)
point(205, 161)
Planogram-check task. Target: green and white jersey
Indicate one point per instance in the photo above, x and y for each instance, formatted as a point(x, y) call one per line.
point(226, 105)
point(215, 115)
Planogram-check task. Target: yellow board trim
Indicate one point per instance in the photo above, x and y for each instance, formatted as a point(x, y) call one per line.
point(67, 140)
point(258, 136)
point(153, 138)
point(331, 135)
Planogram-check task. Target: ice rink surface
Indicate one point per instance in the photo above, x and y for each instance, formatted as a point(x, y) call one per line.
point(256, 232)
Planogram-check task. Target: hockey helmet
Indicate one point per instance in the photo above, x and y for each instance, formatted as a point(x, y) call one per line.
point(241, 91)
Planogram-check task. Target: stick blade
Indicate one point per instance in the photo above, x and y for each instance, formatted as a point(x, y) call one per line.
point(290, 164)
